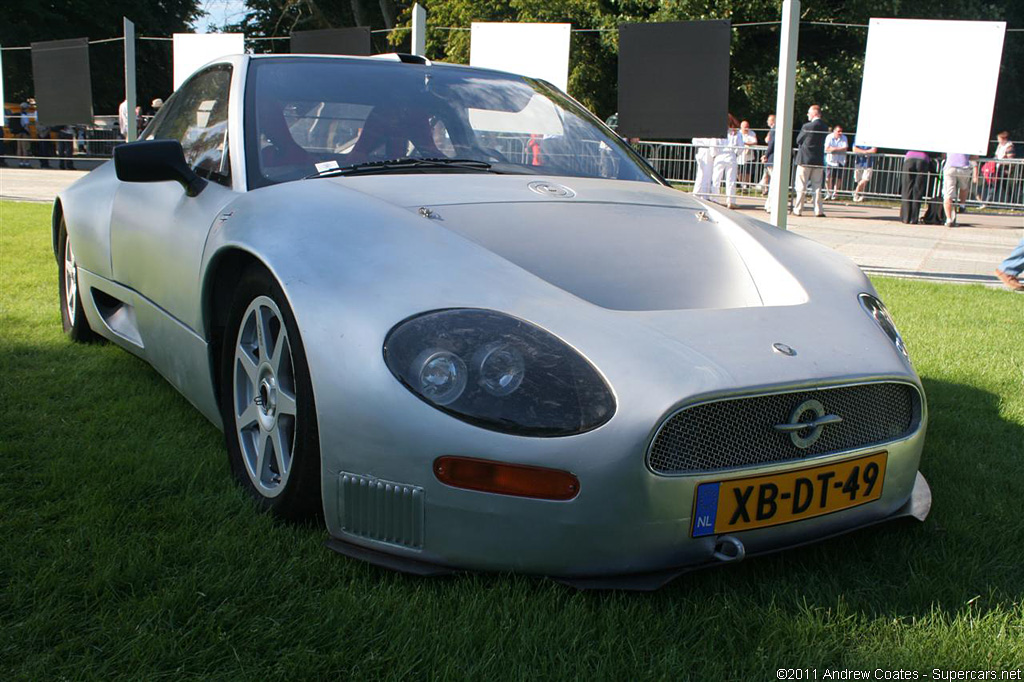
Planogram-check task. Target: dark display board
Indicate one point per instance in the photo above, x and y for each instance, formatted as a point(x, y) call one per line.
point(350, 41)
point(60, 74)
point(674, 79)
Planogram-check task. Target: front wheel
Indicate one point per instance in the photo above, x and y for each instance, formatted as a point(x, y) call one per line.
point(270, 424)
point(71, 314)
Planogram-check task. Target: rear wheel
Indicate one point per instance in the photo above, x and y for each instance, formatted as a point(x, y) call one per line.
point(267, 403)
point(71, 313)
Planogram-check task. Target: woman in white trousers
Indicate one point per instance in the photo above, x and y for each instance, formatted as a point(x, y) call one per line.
point(725, 162)
point(705, 162)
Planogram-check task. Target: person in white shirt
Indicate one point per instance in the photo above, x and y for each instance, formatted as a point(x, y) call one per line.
point(1004, 150)
point(836, 146)
point(705, 158)
point(122, 118)
point(726, 150)
point(746, 156)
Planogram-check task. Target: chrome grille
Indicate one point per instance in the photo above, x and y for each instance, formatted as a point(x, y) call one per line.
point(739, 432)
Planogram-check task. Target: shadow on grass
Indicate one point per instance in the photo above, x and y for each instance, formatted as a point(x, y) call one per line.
point(130, 530)
point(966, 555)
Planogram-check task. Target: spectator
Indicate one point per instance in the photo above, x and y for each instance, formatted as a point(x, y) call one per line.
point(956, 182)
point(725, 167)
point(810, 159)
point(986, 191)
point(769, 156)
point(65, 147)
point(705, 158)
point(746, 156)
point(1009, 270)
point(915, 178)
point(836, 146)
point(5, 144)
point(21, 132)
point(42, 147)
point(1004, 147)
point(862, 163)
point(122, 118)
point(1004, 150)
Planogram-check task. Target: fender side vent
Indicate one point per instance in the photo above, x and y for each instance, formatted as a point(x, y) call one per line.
point(118, 316)
point(381, 510)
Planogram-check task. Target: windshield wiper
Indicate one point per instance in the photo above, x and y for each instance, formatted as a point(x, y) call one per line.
point(405, 164)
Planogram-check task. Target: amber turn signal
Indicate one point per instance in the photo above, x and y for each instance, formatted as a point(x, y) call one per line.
point(506, 479)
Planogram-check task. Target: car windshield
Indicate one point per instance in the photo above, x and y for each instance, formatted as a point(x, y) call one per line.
point(316, 115)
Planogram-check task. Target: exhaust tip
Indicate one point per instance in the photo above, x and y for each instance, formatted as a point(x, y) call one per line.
point(729, 549)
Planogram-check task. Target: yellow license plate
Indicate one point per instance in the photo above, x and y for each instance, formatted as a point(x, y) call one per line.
point(762, 501)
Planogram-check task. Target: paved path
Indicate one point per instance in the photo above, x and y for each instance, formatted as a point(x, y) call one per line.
point(879, 243)
point(872, 236)
point(32, 184)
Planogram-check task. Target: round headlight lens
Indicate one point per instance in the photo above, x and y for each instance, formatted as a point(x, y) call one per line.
point(878, 312)
point(501, 368)
point(498, 372)
point(441, 374)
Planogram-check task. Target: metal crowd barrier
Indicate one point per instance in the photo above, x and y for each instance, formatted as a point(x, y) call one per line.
point(58, 146)
point(995, 183)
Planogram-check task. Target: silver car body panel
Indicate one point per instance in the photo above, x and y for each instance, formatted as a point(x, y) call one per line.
point(698, 298)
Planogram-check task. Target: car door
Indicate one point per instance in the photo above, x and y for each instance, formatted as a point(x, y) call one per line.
point(157, 232)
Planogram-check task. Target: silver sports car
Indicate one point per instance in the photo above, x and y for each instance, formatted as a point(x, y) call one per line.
point(450, 312)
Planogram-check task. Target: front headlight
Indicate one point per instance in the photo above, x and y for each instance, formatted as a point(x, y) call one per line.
point(876, 309)
point(498, 372)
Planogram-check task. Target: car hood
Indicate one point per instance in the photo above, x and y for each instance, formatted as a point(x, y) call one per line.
point(621, 245)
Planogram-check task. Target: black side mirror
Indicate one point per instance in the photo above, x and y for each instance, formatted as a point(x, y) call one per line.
point(156, 161)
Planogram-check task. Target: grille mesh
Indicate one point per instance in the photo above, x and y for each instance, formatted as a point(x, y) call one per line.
point(740, 432)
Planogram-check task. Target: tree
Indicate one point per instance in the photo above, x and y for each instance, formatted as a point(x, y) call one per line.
point(830, 60)
point(279, 18)
point(26, 21)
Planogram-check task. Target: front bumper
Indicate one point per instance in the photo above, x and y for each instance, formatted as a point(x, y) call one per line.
point(627, 522)
point(917, 506)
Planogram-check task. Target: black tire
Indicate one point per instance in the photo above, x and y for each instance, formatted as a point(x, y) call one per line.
point(71, 313)
point(296, 495)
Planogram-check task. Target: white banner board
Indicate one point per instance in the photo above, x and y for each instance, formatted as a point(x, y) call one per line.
point(192, 50)
point(535, 50)
point(930, 85)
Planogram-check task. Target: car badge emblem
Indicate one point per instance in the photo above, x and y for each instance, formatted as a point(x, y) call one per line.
point(812, 429)
point(552, 189)
point(784, 349)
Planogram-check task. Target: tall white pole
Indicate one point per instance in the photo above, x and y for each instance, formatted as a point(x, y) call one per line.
point(779, 191)
point(419, 30)
point(129, 78)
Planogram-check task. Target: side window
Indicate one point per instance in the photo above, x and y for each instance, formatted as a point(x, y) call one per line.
point(198, 118)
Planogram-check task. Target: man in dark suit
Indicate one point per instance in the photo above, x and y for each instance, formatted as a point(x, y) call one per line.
point(810, 160)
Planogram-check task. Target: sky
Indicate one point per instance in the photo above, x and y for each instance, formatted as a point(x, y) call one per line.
point(218, 13)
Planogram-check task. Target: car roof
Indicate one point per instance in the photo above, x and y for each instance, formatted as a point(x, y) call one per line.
point(395, 58)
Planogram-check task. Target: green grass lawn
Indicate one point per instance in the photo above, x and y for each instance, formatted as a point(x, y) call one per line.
point(126, 550)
